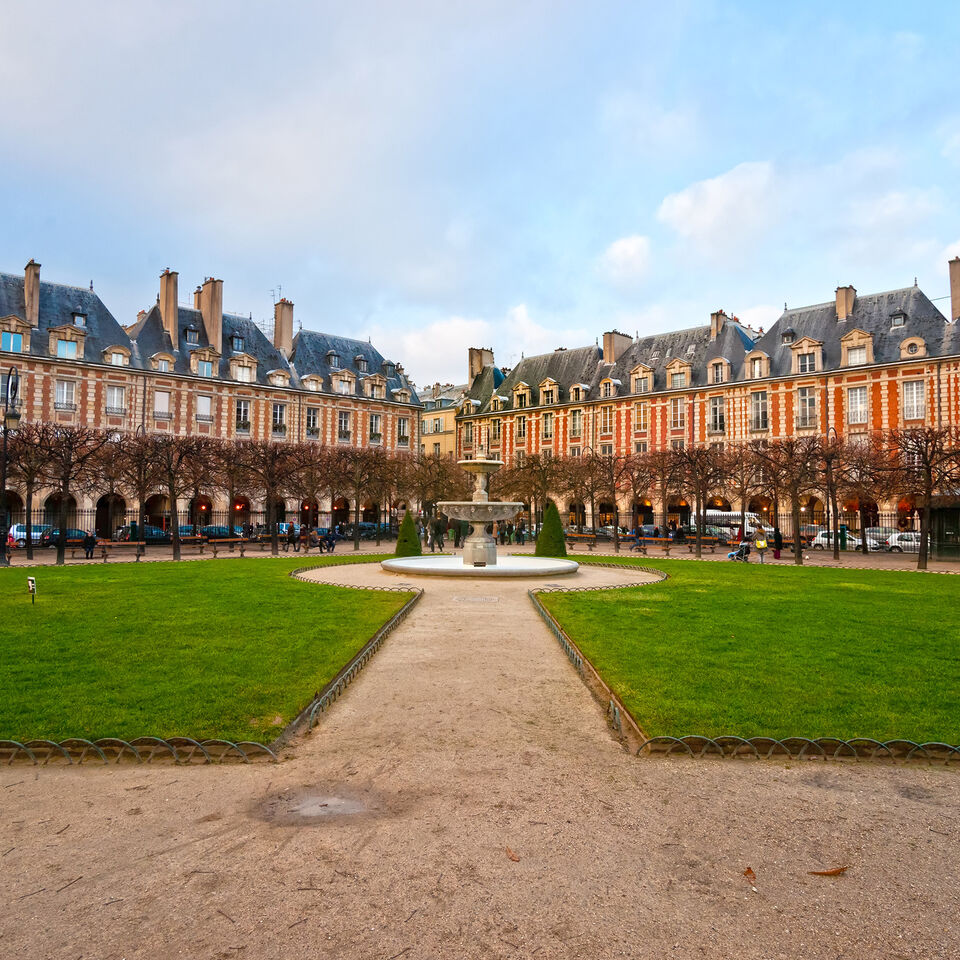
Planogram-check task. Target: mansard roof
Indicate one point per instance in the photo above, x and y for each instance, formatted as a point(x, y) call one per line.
point(58, 304)
point(311, 350)
point(871, 313)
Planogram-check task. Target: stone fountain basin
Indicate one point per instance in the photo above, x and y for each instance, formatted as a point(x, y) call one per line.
point(479, 512)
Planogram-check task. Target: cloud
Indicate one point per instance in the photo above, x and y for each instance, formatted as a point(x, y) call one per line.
point(724, 216)
point(626, 261)
point(635, 120)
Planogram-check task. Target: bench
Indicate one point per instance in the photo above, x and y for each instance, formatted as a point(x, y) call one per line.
point(590, 539)
point(231, 541)
point(641, 543)
point(107, 545)
point(710, 542)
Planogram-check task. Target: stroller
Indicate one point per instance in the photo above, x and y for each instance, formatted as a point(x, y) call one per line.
point(741, 553)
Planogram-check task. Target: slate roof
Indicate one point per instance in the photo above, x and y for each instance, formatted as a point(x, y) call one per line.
point(872, 314)
point(311, 355)
point(58, 304)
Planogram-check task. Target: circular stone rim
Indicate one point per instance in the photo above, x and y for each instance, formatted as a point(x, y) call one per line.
point(516, 567)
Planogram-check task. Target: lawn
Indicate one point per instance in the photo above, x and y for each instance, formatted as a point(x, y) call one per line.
point(751, 650)
point(224, 648)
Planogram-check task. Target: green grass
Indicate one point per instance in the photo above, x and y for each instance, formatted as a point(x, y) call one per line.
point(223, 648)
point(723, 648)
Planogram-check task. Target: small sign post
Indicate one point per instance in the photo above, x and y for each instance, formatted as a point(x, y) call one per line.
point(32, 588)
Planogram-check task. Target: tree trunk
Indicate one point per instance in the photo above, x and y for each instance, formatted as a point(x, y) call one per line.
point(698, 514)
point(356, 524)
point(62, 521)
point(272, 525)
point(924, 530)
point(863, 530)
point(29, 530)
point(141, 519)
point(379, 515)
point(797, 541)
point(174, 519)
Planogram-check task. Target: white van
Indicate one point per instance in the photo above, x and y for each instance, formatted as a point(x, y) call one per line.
point(731, 520)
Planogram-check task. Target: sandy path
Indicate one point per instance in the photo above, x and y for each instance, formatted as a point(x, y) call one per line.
point(467, 734)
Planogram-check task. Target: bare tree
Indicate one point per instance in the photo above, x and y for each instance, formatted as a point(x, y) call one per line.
point(139, 474)
point(867, 474)
point(574, 481)
point(272, 468)
point(701, 470)
point(611, 477)
point(358, 471)
point(665, 475)
point(172, 460)
point(72, 453)
point(29, 453)
point(831, 457)
point(741, 471)
point(531, 482)
point(928, 461)
point(637, 477)
point(229, 472)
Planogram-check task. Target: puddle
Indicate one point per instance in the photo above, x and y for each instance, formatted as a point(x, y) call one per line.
point(327, 807)
point(313, 805)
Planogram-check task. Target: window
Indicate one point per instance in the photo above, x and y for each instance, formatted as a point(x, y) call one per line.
point(574, 451)
point(313, 421)
point(806, 363)
point(376, 434)
point(237, 344)
point(857, 405)
point(116, 400)
point(11, 342)
point(641, 416)
point(362, 364)
point(343, 386)
point(403, 431)
point(468, 433)
point(436, 449)
point(118, 359)
point(243, 415)
point(756, 368)
point(676, 444)
point(278, 418)
point(191, 335)
point(204, 409)
point(576, 423)
point(641, 384)
point(606, 449)
point(245, 374)
point(717, 420)
point(65, 395)
point(548, 426)
point(913, 348)
point(758, 411)
point(718, 373)
point(496, 403)
point(914, 407)
point(640, 446)
point(575, 394)
point(79, 319)
point(163, 365)
point(205, 368)
point(438, 424)
point(897, 319)
point(548, 454)
point(333, 360)
point(787, 336)
point(806, 407)
point(547, 397)
point(606, 389)
point(521, 399)
point(343, 425)
point(678, 380)
point(677, 414)
point(521, 428)
point(495, 431)
point(856, 356)
point(67, 349)
point(161, 404)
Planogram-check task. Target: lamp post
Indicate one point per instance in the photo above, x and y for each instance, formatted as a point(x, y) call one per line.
point(11, 418)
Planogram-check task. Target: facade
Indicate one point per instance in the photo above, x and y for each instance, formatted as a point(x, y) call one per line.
point(438, 427)
point(854, 365)
point(195, 370)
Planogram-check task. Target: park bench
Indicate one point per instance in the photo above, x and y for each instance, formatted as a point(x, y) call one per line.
point(106, 546)
point(643, 542)
point(589, 539)
point(228, 541)
point(709, 543)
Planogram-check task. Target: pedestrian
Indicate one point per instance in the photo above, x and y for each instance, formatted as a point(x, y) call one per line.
point(456, 535)
point(305, 537)
point(777, 543)
point(656, 533)
point(89, 542)
point(438, 532)
point(292, 538)
point(521, 533)
point(330, 541)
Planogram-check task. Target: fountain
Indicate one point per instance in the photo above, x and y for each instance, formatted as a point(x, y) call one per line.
point(480, 549)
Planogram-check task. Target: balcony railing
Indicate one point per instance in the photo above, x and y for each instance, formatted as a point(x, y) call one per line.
point(313, 431)
point(759, 423)
point(243, 426)
point(403, 441)
point(68, 405)
point(204, 418)
point(717, 426)
point(279, 429)
point(805, 422)
point(116, 411)
point(376, 437)
point(343, 436)
point(162, 415)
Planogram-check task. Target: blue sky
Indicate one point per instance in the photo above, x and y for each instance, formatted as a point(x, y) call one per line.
point(436, 175)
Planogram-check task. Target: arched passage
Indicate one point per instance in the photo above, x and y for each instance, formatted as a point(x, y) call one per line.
point(310, 513)
point(576, 513)
point(240, 511)
point(606, 513)
point(156, 511)
point(13, 505)
point(678, 512)
point(719, 503)
point(199, 511)
point(340, 512)
point(111, 514)
point(641, 513)
point(51, 510)
point(370, 512)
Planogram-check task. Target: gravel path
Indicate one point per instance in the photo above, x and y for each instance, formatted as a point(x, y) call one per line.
point(466, 799)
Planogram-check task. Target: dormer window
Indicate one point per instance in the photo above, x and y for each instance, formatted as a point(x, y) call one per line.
point(690, 349)
point(641, 384)
point(79, 319)
point(117, 359)
point(678, 380)
point(67, 349)
point(788, 336)
point(204, 368)
point(756, 368)
point(191, 335)
point(606, 389)
point(718, 373)
point(361, 364)
point(898, 319)
point(237, 344)
point(333, 360)
point(163, 365)
point(856, 356)
point(389, 369)
point(655, 355)
point(548, 396)
point(575, 394)
point(496, 404)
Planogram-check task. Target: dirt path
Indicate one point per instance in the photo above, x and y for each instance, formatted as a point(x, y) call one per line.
point(466, 799)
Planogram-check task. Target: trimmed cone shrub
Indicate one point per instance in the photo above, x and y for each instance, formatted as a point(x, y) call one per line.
point(408, 543)
point(550, 542)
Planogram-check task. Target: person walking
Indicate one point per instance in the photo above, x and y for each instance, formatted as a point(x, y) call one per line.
point(456, 535)
point(89, 542)
point(521, 533)
point(292, 538)
point(305, 537)
point(777, 543)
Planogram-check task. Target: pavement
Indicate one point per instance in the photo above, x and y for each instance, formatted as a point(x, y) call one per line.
point(466, 798)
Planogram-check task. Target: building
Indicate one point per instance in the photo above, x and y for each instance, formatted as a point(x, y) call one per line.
point(854, 365)
point(195, 370)
point(438, 427)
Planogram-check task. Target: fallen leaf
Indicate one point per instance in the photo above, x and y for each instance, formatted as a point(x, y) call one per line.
point(835, 872)
point(749, 874)
point(516, 859)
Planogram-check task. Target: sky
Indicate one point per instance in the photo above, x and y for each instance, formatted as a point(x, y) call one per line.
point(514, 175)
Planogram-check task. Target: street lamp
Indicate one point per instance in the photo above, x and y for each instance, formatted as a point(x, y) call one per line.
point(11, 419)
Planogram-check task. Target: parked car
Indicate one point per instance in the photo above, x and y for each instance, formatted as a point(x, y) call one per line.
point(880, 533)
point(19, 532)
point(50, 536)
point(368, 531)
point(808, 531)
point(149, 534)
point(824, 541)
point(907, 541)
point(324, 532)
point(215, 531)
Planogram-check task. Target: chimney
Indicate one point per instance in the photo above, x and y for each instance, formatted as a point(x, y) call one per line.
point(614, 344)
point(211, 308)
point(168, 305)
point(283, 326)
point(845, 299)
point(479, 357)
point(31, 292)
point(717, 320)
point(955, 288)
point(196, 297)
